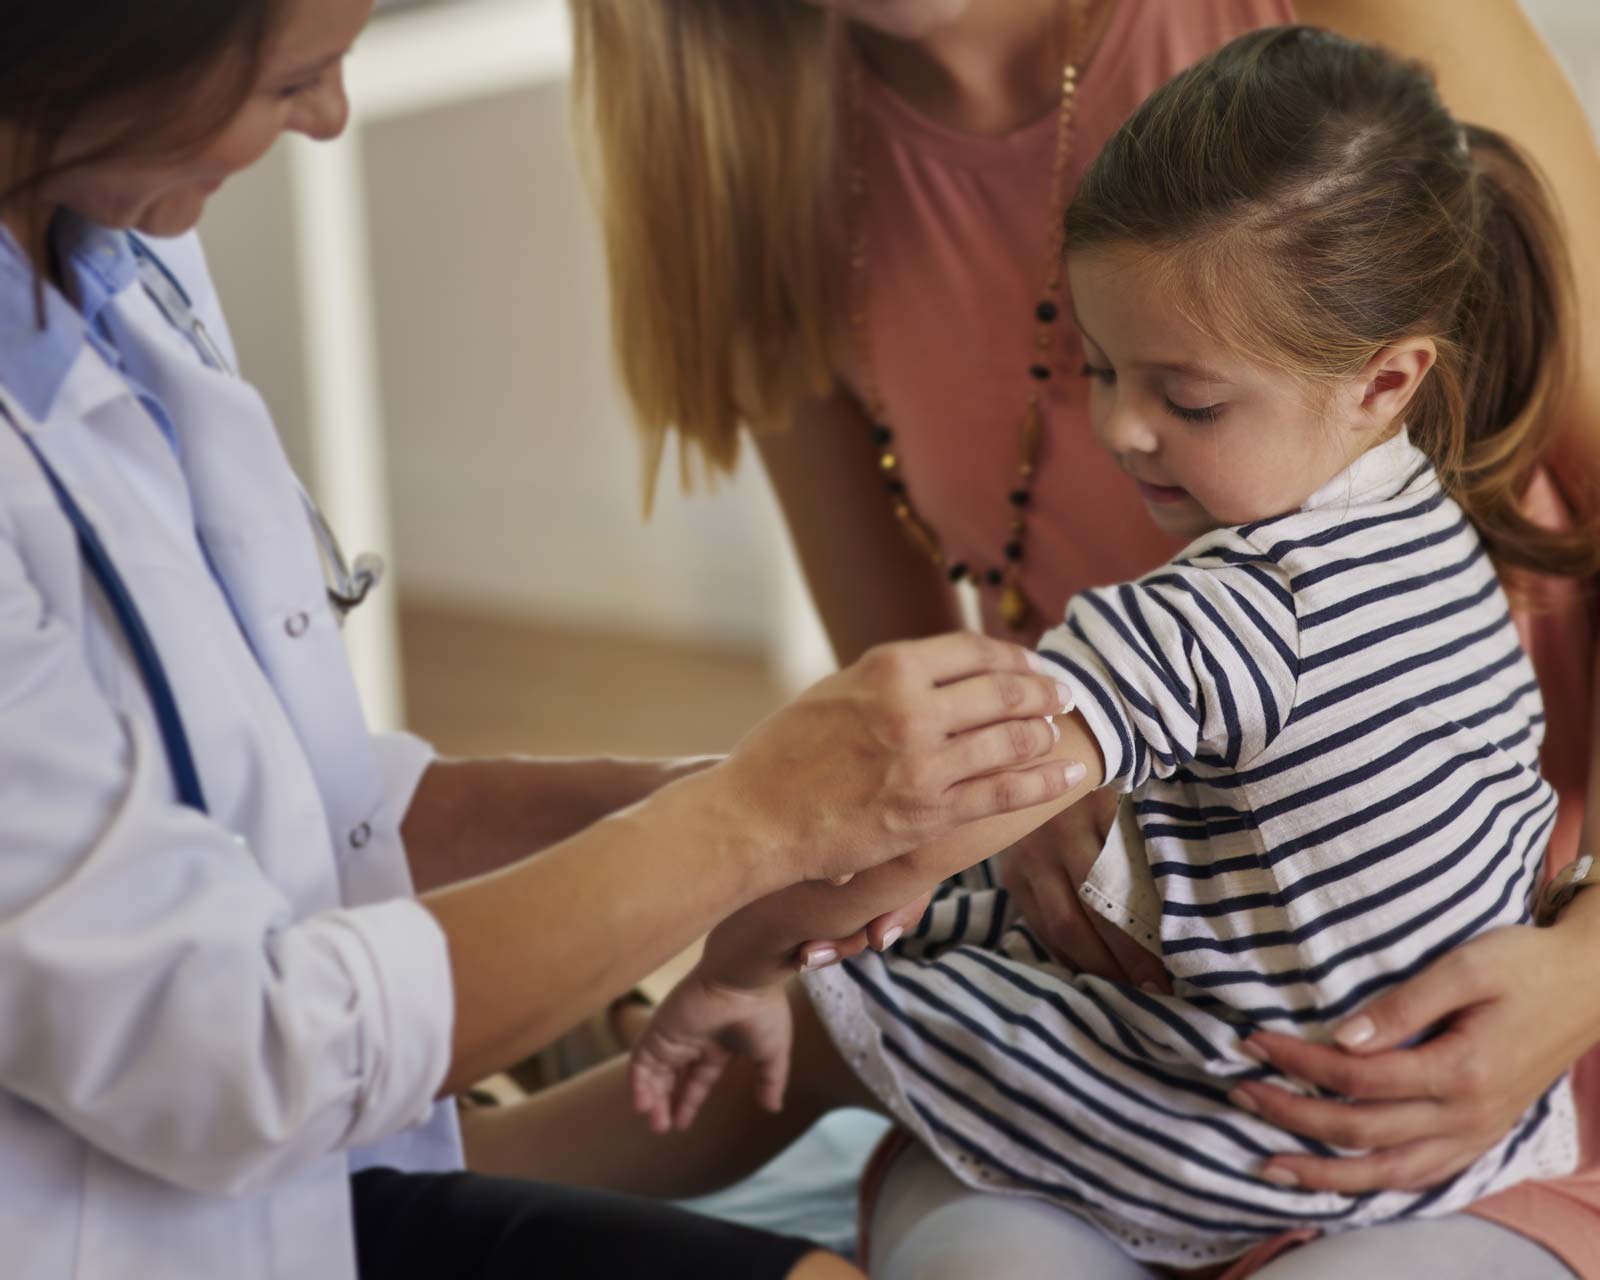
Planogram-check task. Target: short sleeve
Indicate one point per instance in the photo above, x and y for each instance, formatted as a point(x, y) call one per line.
point(1196, 663)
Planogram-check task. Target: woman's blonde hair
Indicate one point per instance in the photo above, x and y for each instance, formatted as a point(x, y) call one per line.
point(709, 132)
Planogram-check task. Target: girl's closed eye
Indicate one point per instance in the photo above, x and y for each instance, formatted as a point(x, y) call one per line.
point(1193, 413)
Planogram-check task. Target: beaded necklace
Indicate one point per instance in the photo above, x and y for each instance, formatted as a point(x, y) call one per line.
point(1005, 575)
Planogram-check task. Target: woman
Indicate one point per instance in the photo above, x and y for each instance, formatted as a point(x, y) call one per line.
point(898, 307)
point(222, 997)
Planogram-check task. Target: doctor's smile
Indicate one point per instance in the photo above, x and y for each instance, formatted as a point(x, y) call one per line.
point(1131, 800)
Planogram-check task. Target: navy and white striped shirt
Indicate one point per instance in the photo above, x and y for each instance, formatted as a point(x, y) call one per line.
point(1329, 734)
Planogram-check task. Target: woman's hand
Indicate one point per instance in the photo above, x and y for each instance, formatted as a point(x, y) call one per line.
point(1042, 872)
point(914, 740)
point(1514, 1013)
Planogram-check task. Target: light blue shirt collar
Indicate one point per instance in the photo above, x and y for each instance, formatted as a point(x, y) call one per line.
point(98, 264)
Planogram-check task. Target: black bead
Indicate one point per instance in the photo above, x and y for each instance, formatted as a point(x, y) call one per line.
point(1019, 497)
point(896, 486)
point(1047, 312)
point(1039, 371)
point(1013, 550)
point(881, 436)
point(958, 571)
point(994, 577)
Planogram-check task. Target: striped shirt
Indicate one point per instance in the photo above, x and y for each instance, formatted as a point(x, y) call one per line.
point(1328, 733)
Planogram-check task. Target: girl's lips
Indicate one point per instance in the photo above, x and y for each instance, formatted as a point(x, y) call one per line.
point(1161, 493)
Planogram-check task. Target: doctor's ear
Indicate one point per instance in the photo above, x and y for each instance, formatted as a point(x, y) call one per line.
point(1392, 377)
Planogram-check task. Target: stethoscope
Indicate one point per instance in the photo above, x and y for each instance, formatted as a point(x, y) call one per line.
point(347, 587)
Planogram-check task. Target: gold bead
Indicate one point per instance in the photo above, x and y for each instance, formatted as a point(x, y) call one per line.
point(1014, 607)
point(888, 461)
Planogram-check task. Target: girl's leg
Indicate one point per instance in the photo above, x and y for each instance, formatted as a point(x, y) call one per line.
point(927, 1225)
point(584, 1132)
point(1459, 1247)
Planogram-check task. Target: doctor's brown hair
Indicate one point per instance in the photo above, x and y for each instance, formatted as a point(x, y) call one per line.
point(151, 78)
point(1314, 202)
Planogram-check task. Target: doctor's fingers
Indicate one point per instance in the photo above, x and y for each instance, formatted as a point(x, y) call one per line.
point(998, 698)
point(998, 746)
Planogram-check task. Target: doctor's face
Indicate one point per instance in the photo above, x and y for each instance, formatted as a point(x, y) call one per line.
point(300, 89)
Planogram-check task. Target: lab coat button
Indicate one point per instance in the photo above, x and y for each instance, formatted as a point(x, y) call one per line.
point(360, 836)
point(297, 624)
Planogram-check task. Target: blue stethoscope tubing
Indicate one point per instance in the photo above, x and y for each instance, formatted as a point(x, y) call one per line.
point(174, 736)
point(174, 303)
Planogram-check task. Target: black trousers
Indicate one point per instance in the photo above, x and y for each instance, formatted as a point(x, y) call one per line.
point(465, 1226)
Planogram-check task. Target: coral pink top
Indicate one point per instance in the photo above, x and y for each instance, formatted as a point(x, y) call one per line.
point(957, 238)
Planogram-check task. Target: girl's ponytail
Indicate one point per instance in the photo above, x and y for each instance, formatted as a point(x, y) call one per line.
point(1516, 332)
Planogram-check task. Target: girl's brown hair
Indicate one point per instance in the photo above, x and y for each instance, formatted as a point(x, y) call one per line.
point(129, 74)
point(709, 126)
point(1315, 202)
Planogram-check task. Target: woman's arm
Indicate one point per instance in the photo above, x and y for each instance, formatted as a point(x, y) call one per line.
point(471, 817)
point(869, 583)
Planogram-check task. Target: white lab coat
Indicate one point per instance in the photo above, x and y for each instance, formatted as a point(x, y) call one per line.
point(200, 1018)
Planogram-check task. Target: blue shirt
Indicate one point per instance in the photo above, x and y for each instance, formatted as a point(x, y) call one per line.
point(97, 265)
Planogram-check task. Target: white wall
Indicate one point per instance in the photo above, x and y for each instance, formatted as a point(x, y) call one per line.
point(514, 471)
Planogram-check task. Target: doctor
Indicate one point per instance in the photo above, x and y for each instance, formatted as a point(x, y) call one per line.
point(227, 1016)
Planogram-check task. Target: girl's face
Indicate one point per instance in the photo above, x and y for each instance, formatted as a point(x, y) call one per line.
point(1213, 439)
point(300, 90)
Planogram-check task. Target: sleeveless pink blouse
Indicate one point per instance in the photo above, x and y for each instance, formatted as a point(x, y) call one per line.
point(957, 238)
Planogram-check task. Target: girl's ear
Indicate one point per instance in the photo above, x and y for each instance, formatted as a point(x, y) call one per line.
point(1392, 377)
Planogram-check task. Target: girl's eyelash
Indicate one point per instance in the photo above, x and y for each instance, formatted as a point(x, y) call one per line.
point(1202, 413)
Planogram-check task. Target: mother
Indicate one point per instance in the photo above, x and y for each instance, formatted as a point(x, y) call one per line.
point(228, 1017)
point(859, 244)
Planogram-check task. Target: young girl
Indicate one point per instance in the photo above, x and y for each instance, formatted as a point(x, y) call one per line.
point(1321, 319)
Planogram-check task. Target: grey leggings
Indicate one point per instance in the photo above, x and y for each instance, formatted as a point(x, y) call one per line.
point(928, 1226)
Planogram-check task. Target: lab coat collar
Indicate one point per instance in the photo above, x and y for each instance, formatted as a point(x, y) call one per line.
point(41, 365)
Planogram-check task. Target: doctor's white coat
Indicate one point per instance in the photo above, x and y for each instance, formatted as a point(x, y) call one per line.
point(199, 1017)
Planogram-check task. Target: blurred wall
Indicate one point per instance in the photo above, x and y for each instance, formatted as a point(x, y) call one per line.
point(515, 473)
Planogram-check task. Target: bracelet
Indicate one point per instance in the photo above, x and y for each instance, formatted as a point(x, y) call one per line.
point(1564, 886)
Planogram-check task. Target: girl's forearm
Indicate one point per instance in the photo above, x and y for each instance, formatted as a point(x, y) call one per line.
point(756, 947)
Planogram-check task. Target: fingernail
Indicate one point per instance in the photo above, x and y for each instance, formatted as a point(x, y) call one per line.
point(1150, 989)
point(1252, 1050)
point(890, 938)
point(819, 959)
point(1280, 1177)
point(1055, 733)
point(1041, 665)
point(1075, 773)
point(1355, 1033)
point(1068, 698)
point(1244, 1102)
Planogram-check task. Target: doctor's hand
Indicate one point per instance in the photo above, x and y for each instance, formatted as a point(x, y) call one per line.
point(914, 740)
point(1512, 1010)
point(1042, 872)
